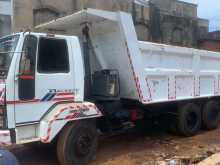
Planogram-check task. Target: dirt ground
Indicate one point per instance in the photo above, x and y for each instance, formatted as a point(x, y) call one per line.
point(136, 148)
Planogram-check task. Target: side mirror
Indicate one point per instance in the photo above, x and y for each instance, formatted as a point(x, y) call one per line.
point(26, 80)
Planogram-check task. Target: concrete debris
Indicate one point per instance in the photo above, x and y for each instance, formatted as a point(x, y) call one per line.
point(212, 160)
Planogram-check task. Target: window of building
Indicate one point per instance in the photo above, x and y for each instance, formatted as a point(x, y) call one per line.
point(53, 56)
point(177, 36)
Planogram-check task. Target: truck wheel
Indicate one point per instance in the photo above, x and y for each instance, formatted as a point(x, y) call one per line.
point(189, 119)
point(211, 115)
point(77, 143)
point(7, 158)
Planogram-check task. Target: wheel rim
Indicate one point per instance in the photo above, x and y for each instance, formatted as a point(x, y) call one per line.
point(83, 144)
point(192, 120)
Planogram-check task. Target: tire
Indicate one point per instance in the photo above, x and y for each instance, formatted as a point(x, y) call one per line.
point(189, 120)
point(211, 115)
point(7, 158)
point(77, 143)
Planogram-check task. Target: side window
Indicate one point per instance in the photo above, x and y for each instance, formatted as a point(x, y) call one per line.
point(27, 62)
point(53, 56)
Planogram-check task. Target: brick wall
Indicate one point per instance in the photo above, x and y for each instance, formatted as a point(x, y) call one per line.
point(211, 45)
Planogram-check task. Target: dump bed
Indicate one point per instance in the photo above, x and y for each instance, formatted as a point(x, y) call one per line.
point(149, 72)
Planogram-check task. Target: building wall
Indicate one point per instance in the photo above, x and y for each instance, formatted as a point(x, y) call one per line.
point(167, 21)
point(203, 25)
point(22, 15)
point(177, 21)
point(176, 7)
point(5, 7)
point(5, 17)
point(178, 31)
point(185, 9)
point(5, 25)
point(28, 8)
point(37, 12)
point(41, 8)
point(214, 35)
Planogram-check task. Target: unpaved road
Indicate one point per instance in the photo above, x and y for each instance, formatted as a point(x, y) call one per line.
point(136, 149)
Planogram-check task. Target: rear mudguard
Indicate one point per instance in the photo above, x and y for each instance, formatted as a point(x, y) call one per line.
point(61, 114)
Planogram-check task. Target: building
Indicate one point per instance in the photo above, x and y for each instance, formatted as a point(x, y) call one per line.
point(176, 22)
point(5, 17)
point(167, 21)
point(210, 41)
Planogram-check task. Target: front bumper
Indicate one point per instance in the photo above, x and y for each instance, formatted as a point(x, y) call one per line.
point(5, 138)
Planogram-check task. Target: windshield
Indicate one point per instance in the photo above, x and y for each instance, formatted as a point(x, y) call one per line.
point(7, 48)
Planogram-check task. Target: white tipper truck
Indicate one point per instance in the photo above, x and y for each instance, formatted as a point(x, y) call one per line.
point(98, 78)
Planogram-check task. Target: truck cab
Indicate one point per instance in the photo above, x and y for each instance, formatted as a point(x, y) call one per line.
point(37, 71)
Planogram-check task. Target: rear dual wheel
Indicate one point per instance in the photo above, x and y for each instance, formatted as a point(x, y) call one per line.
point(211, 115)
point(189, 119)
